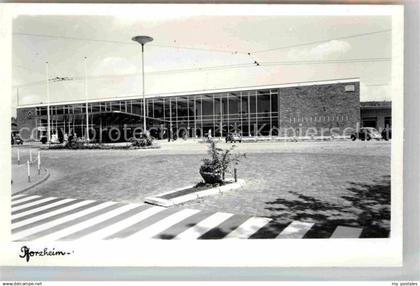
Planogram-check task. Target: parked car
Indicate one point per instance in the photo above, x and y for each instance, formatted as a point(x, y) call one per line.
point(16, 140)
point(234, 137)
point(366, 133)
point(386, 133)
point(43, 139)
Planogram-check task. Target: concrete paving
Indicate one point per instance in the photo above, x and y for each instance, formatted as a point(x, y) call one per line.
point(330, 183)
point(20, 180)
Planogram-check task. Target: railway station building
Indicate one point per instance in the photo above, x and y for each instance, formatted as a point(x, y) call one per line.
point(251, 111)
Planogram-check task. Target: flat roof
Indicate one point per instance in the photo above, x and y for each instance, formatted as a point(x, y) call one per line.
point(199, 92)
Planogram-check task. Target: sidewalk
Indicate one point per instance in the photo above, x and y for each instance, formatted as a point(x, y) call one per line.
point(20, 181)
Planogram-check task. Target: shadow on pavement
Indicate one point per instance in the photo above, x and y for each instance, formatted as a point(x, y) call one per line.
point(365, 206)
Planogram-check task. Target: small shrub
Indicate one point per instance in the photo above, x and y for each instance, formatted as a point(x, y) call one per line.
point(141, 142)
point(221, 161)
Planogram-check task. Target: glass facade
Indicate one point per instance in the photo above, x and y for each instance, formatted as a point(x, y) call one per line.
point(215, 114)
point(321, 108)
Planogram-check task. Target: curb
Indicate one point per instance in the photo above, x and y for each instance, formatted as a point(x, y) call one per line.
point(43, 179)
point(284, 139)
point(157, 200)
point(47, 148)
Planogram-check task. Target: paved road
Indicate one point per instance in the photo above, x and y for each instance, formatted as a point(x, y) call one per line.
point(328, 183)
point(50, 218)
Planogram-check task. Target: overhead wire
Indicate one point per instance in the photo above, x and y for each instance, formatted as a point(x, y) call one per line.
point(127, 43)
point(251, 55)
point(205, 49)
point(322, 41)
point(224, 67)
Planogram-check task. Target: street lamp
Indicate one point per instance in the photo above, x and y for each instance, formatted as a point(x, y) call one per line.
point(142, 40)
point(48, 102)
point(86, 101)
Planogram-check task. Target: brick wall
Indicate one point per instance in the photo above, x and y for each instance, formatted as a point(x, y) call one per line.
point(320, 106)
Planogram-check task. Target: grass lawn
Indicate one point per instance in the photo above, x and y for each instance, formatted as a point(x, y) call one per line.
point(329, 183)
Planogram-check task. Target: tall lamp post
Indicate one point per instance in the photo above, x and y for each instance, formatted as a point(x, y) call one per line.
point(86, 101)
point(48, 102)
point(142, 40)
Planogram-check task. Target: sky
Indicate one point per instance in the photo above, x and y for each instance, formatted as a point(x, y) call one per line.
point(193, 51)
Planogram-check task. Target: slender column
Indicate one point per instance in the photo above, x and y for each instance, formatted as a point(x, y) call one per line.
point(86, 99)
point(240, 108)
point(100, 129)
point(214, 117)
point(278, 109)
point(56, 120)
point(64, 120)
point(249, 114)
point(36, 127)
point(201, 115)
point(176, 112)
point(170, 117)
point(271, 116)
point(221, 115)
point(228, 113)
point(163, 109)
point(195, 117)
point(188, 113)
point(256, 110)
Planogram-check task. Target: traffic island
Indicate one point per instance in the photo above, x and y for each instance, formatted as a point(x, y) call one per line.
point(99, 146)
point(20, 181)
point(193, 192)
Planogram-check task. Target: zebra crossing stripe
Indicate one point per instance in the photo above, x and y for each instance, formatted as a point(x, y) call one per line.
point(346, 232)
point(40, 218)
point(26, 202)
point(22, 214)
point(248, 228)
point(57, 210)
point(24, 199)
point(163, 224)
point(34, 200)
point(225, 227)
point(271, 230)
point(15, 197)
point(183, 225)
point(67, 224)
point(49, 218)
point(119, 226)
point(143, 224)
point(296, 229)
point(27, 234)
point(31, 204)
point(15, 212)
point(204, 226)
point(88, 222)
point(98, 226)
